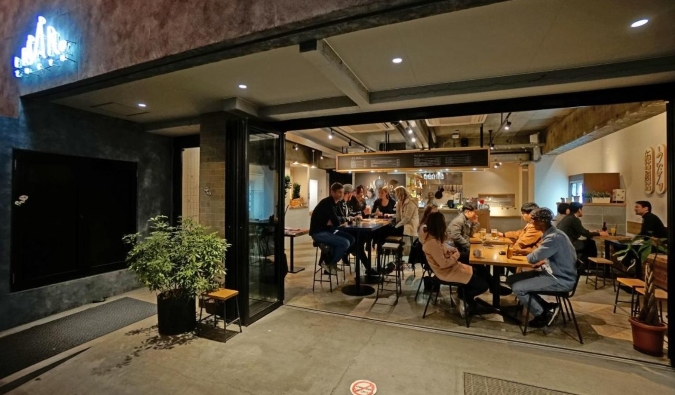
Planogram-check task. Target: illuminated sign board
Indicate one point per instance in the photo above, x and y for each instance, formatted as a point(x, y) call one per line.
point(414, 160)
point(43, 50)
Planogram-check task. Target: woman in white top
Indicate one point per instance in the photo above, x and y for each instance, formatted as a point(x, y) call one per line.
point(407, 213)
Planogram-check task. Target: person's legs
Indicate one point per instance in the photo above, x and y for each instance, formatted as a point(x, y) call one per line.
point(510, 280)
point(337, 241)
point(476, 286)
point(538, 282)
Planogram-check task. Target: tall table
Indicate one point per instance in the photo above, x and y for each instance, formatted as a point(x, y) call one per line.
point(365, 229)
point(490, 256)
point(292, 233)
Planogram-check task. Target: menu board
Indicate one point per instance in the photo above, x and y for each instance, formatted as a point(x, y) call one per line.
point(415, 160)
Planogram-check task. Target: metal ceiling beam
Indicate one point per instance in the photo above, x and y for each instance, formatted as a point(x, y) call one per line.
point(422, 124)
point(407, 137)
point(294, 138)
point(320, 54)
point(364, 141)
point(240, 107)
point(308, 106)
point(172, 123)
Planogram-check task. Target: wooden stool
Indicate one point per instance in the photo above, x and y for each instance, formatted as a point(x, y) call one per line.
point(631, 283)
point(605, 263)
point(391, 254)
point(660, 294)
point(394, 239)
point(222, 295)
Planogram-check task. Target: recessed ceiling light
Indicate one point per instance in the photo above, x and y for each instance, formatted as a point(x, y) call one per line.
point(242, 86)
point(639, 23)
point(410, 131)
point(142, 105)
point(413, 139)
point(397, 60)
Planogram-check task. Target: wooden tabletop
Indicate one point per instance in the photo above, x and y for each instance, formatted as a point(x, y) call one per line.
point(367, 225)
point(295, 232)
point(490, 256)
point(490, 240)
point(615, 238)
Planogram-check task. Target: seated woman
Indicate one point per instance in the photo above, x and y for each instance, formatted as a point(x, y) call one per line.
point(384, 203)
point(422, 229)
point(443, 260)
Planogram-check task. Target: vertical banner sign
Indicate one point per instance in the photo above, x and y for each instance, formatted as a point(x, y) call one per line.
point(660, 168)
point(649, 170)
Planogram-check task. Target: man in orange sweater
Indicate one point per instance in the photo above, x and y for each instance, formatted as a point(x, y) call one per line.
point(527, 239)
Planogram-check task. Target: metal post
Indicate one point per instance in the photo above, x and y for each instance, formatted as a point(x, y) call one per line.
point(670, 221)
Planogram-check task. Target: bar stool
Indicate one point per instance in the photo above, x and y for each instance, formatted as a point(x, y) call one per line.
point(391, 253)
point(599, 262)
point(631, 284)
point(318, 258)
point(221, 295)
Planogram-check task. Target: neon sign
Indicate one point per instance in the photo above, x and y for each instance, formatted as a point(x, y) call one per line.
point(43, 50)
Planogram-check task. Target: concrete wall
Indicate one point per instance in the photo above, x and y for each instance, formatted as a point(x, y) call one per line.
point(62, 130)
point(621, 152)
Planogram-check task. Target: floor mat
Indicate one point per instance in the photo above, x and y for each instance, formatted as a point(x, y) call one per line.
point(475, 384)
point(26, 348)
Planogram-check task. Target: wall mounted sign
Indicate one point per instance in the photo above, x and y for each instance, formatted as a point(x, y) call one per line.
point(43, 50)
point(649, 170)
point(434, 176)
point(660, 169)
point(462, 158)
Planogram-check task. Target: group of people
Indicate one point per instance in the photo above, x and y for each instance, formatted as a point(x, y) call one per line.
point(551, 245)
point(345, 203)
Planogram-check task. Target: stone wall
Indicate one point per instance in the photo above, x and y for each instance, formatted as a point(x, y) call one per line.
point(62, 130)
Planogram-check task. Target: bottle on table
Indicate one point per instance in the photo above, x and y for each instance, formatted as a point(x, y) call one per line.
point(604, 226)
point(509, 252)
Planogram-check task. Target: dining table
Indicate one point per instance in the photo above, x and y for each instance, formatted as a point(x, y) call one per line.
point(491, 240)
point(490, 255)
point(361, 231)
point(292, 233)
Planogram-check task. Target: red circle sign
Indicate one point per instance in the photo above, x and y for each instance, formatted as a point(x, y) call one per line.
point(363, 387)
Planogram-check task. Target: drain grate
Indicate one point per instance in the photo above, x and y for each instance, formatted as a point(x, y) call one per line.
point(475, 384)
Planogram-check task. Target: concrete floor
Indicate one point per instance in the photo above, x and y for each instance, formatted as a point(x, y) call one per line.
point(604, 332)
point(295, 351)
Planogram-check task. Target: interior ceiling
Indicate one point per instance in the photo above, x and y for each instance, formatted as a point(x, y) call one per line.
point(505, 39)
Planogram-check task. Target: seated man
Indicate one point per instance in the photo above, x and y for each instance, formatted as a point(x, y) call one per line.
point(651, 224)
point(344, 210)
point(557, 259)
point(460, 230)
point(572, 227)
point(527, 239)
point(323, 227)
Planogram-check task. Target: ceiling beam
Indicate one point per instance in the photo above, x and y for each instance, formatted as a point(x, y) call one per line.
point(421, 123)
point(240, 107)
point(591, 123)
point(540, 78)
point(422, 136)
point(172, 123)
point(308, 106)
point(320, 54)
point(364, 141)
point(294, 138)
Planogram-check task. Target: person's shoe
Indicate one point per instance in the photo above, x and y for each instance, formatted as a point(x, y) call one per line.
point(462, 308)
point(330, 269)
point(372, 273)
point(554, 314)
point(539, 321)
point(389, 268)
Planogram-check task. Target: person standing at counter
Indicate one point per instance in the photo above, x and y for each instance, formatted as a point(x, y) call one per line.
point(323, 227)
point(563, 210)
point(651, 224)
point(527, 239)
point(444, 262)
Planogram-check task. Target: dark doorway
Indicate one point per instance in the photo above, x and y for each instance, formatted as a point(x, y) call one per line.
point(342, 178)
point(68, 217)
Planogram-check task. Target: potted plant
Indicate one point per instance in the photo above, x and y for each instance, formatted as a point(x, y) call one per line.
point(296, 200)
point(648, 330)
point(601, 197)
point(179, 263)
point(588, 197)
point(287, 184)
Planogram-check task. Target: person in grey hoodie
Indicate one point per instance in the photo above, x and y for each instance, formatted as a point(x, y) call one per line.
point(556, 259)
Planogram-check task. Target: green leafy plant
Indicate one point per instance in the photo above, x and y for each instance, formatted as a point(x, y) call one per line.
point(296, 190)
point(601, 194)
point(177, 261)
point(640, 247)
point(287, 184)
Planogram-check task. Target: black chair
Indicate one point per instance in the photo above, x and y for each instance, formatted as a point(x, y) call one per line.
point(426, 270)
point(436, 288)
point(318, 259)
point(392, 253)
point(563, 299)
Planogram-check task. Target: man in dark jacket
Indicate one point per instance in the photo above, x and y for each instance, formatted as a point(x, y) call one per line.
point(572, 227)
point(323, 227)
point(651, 224)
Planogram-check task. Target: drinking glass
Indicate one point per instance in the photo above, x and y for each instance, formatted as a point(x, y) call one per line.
point(483, 233)
point(494, 234)
point(612, 231)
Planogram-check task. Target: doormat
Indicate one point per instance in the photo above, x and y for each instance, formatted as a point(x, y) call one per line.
point(26, 348)
point(475, 384)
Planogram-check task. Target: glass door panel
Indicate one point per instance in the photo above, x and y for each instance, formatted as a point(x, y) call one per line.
point(264, 225)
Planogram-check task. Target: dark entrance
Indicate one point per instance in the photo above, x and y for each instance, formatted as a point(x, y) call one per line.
point(68, 217)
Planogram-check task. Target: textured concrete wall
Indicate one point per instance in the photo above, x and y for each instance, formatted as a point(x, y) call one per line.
point(62, 130)
point(212, 171)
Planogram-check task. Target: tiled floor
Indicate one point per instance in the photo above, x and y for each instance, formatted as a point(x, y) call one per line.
point(604, 332)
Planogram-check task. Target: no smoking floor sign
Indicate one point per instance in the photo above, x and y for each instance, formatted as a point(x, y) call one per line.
point(363, 387)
